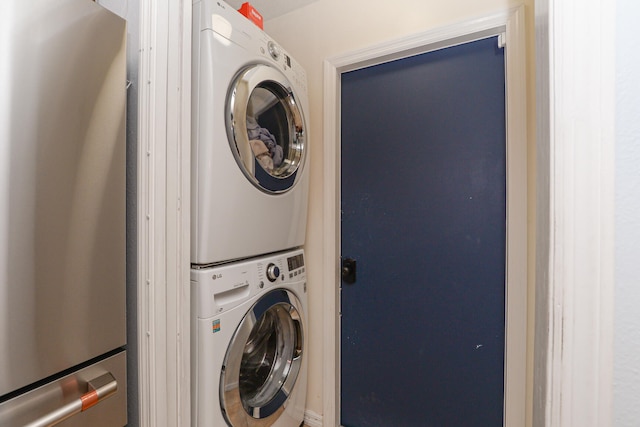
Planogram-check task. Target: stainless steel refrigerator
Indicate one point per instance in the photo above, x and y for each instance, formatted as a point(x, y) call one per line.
point(62, 214)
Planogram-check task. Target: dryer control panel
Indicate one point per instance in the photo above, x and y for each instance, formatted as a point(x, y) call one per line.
point(235, 27)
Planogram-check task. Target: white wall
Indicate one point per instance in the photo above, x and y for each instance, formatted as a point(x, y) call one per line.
point(627, 320)
point(330, 27)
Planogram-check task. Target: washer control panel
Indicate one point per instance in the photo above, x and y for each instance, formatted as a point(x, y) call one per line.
point(218, 289)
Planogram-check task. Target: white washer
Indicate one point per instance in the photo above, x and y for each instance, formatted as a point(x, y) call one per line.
point(249, 342)
point(249, 136)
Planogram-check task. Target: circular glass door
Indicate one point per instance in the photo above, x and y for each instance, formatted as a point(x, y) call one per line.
point(266, 128)
point(263, 360)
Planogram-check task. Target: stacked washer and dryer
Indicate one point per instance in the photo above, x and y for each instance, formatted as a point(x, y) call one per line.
point(249, 209)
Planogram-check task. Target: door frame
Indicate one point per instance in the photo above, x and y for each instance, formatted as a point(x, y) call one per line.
point(575, 224)
point(163, 214)
point(509, 25)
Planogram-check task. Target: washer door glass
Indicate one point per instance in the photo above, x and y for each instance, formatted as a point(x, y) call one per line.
point(266, 128)
point(263, 360)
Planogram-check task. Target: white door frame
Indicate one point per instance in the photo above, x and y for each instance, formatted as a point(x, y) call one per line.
point(510, 25)
point(575, 283)
point(163, 204)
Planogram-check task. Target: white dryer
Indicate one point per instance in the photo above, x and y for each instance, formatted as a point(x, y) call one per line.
point(249, 344)
point(250, 142)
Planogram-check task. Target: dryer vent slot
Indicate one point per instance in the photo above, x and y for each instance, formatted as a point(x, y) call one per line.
point(228, 297)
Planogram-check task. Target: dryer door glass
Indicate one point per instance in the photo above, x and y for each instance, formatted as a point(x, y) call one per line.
point(266, 128)
point(263, 360)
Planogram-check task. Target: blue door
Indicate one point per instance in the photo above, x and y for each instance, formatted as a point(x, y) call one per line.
point(423, 216)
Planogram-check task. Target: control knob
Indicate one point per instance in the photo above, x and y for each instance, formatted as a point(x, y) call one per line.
point(273, 272)
point(274, 50)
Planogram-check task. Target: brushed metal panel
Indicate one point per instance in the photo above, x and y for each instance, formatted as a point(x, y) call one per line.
point(62, 187)
point(112, 412)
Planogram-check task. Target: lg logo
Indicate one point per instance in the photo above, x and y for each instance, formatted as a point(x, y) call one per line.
point(217, 276)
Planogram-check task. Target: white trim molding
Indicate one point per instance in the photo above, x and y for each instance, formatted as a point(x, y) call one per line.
point(510, 25)
point(311, 419)
point(163, 213)
point(575, 57)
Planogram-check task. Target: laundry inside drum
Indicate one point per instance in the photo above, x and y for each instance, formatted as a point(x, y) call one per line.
point(274, 129)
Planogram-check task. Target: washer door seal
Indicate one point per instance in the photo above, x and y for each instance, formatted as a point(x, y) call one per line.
point(263, 360)
point(265, 128)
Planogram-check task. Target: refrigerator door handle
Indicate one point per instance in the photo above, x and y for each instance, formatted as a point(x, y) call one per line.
point(100, 388)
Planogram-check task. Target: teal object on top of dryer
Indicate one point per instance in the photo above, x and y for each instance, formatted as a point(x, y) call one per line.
point(249, 140)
